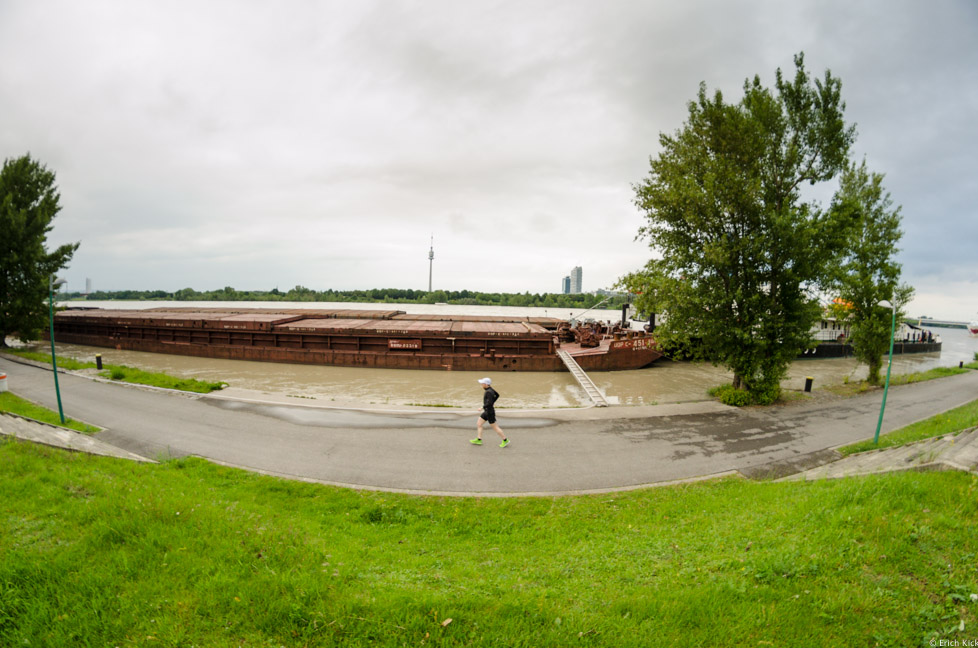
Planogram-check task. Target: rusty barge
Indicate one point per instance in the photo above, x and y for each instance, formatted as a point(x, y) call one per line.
point(389, 339)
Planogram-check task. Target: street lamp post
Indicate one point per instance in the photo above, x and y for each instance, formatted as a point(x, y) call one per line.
point(889, 365)
point(52, 284)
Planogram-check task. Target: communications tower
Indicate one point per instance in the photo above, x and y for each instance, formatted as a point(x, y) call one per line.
point(431, 260)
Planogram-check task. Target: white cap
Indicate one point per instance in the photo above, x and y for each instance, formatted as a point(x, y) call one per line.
point(485, 381)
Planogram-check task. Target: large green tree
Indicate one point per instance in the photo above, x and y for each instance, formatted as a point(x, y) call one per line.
point(869, 274)
point(740, 249)
point(29, 201)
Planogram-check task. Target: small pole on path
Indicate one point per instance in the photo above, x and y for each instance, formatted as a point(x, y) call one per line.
point(886, 389)
point(52, 284)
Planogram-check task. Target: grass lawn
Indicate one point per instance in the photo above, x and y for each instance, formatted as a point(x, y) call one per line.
point(122, 373)
point(69, 364)
point(18, 405)
point(921, 376)
point(855, 387)
point(103, 552)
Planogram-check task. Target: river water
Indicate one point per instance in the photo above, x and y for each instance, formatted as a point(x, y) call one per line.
point(664, 382)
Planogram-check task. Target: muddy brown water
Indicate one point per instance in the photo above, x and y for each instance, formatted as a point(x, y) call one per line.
point(663, 382)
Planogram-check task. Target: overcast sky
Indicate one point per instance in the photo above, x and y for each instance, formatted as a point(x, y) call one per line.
point(261, 145)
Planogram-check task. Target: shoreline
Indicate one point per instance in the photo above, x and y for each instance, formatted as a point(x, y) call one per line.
point(264, 397)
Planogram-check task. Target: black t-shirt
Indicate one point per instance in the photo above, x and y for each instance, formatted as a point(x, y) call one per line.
point(489, 399)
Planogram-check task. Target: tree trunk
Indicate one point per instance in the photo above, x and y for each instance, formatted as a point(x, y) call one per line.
point(874, 373)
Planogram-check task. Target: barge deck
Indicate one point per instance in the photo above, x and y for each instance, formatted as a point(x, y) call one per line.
point(362, 338)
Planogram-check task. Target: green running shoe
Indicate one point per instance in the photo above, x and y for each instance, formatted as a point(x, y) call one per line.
point(475, 441)
point(504, 443)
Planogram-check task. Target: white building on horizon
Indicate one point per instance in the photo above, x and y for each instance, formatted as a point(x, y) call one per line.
point(576, 280)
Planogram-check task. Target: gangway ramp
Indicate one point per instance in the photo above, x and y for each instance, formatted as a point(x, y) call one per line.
point(583, 379)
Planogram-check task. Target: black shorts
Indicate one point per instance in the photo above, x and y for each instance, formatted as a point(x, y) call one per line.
point(489, 416)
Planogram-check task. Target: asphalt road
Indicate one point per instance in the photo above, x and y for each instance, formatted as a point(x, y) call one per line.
point(552, 452)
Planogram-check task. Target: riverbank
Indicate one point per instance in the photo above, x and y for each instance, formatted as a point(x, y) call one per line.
point(662, 383)
point(426, 450)
point(118, 373)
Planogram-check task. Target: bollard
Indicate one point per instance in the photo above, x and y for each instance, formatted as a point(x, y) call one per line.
point(98, 361)
point(3, 382)
point(961, 364)
point(808, 383)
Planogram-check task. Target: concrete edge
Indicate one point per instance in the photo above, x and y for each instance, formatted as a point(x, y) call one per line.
point(69, 440)
point(933, 466)
point(439, 493)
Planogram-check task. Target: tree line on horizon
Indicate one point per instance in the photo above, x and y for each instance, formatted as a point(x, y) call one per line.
point(375, 295)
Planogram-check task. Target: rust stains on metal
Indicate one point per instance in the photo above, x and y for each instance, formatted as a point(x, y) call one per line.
point(390, 339)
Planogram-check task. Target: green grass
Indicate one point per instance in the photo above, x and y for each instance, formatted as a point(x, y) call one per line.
point(123, 373)
point(855, 387)
point(432, 405)
point(22, 407)
point(69, 364)
point(930, 374)
point(960, 418)
point(727, 395)
point(105, 552)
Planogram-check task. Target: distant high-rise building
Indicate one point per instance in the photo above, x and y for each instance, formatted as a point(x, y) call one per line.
point(88, 286)
point(565, 286)
point(576, 276)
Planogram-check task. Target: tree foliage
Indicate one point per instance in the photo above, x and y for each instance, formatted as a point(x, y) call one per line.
point(868, 274)
point(741, 250)
point(29, 201)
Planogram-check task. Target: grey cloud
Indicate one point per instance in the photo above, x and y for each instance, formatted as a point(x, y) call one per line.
point(323, 143)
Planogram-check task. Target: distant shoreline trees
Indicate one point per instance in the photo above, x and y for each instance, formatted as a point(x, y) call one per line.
point(375, 295)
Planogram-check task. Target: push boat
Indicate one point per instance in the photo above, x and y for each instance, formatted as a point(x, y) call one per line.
point(389, 339)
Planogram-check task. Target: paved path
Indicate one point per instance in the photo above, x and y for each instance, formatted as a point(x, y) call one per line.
point(552, 452)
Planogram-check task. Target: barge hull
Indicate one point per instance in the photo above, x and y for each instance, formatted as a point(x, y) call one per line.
point(440, 362)
point(339, 338)
point(837, 350)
